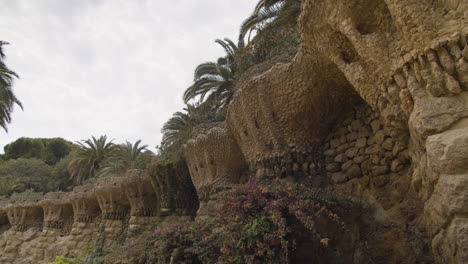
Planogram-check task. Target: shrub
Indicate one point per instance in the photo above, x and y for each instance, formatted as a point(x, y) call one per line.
point(26, 174)
point(256, 224)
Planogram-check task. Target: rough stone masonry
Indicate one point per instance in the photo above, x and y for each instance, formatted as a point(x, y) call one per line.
point(375, 104)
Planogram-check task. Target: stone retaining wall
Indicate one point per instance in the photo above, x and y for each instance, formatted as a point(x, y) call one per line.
point(36, 229)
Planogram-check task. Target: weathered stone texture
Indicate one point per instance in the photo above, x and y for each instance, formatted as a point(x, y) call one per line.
point(174, 188)
point(375, 102)
point(58, 212)
point(215, 162)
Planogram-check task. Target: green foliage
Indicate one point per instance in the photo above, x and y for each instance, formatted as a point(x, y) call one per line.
point(48, 150)
point(7, 98)
point(8, 185)
point(178, 130)
point(56, 149)
point(23, 174)
point(88, 256)
point(143, 160)
point(270, 42)
point(281, 13)
point(61, 177)
point(24, 148)
point(213, 81)
point(94, 254)
point(89, 158)
point(122, 159)
point(257, 223)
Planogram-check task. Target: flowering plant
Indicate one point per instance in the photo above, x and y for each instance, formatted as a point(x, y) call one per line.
point(258, 223)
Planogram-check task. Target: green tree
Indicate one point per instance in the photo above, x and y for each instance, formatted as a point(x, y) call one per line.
point(26, 173)
point(89, 158)
point(213, 79)
point(56, 149)
point(8, 186)
point(278, 12)
point(48, 150)
point(7, 97)
point(175, 131)
point(24, 148)
point(178, 129)
point(61, 177)
point(123, 159)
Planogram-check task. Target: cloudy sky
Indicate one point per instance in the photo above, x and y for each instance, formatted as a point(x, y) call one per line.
point(114, 67)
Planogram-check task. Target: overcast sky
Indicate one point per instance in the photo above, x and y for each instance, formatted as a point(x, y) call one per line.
point(114, 67)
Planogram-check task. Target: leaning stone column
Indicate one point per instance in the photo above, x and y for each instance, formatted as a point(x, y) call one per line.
point(4, 223)
point(58, 212)
point(142, 199)
point(25, 213)
point(87, 215)
point(174, 188)
point(215, 162)
point(114, 205)
point(85, 206)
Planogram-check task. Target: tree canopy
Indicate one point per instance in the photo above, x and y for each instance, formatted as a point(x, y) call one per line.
point(49, 150)
point(18, 175)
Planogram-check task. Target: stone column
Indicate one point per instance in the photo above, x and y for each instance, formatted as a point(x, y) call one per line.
point(174, 188)
point(215, 163)
point(142, 199)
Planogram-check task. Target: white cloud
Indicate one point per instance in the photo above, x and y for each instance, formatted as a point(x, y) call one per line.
point(114, 67)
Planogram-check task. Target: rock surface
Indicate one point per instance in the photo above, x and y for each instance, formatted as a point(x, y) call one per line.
point(374, 105)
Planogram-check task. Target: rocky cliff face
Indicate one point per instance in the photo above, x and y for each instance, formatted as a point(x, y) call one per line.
point(374, 105)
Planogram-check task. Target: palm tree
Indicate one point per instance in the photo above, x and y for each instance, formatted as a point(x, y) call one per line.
point(231, 50)
point(280, 12)
point(177, 130)
point(7, 97)
point(174, 127)
point(123, 159)
point(89, 157)
point(213, 79)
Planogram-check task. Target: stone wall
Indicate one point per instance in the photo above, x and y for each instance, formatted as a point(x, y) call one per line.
point(36, 229)
point(374, 105)
point(215, 163)
point(361, 145)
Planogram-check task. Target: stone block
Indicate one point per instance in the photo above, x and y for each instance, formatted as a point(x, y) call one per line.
point(341, 158)
point(447, 152)
point(339, 177)
point(354, 172)
point(361, 143)
point(351, 153)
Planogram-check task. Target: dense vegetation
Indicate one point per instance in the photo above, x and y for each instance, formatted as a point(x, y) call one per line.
point(258, 223)
point(34, 164)
point(44, 165)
